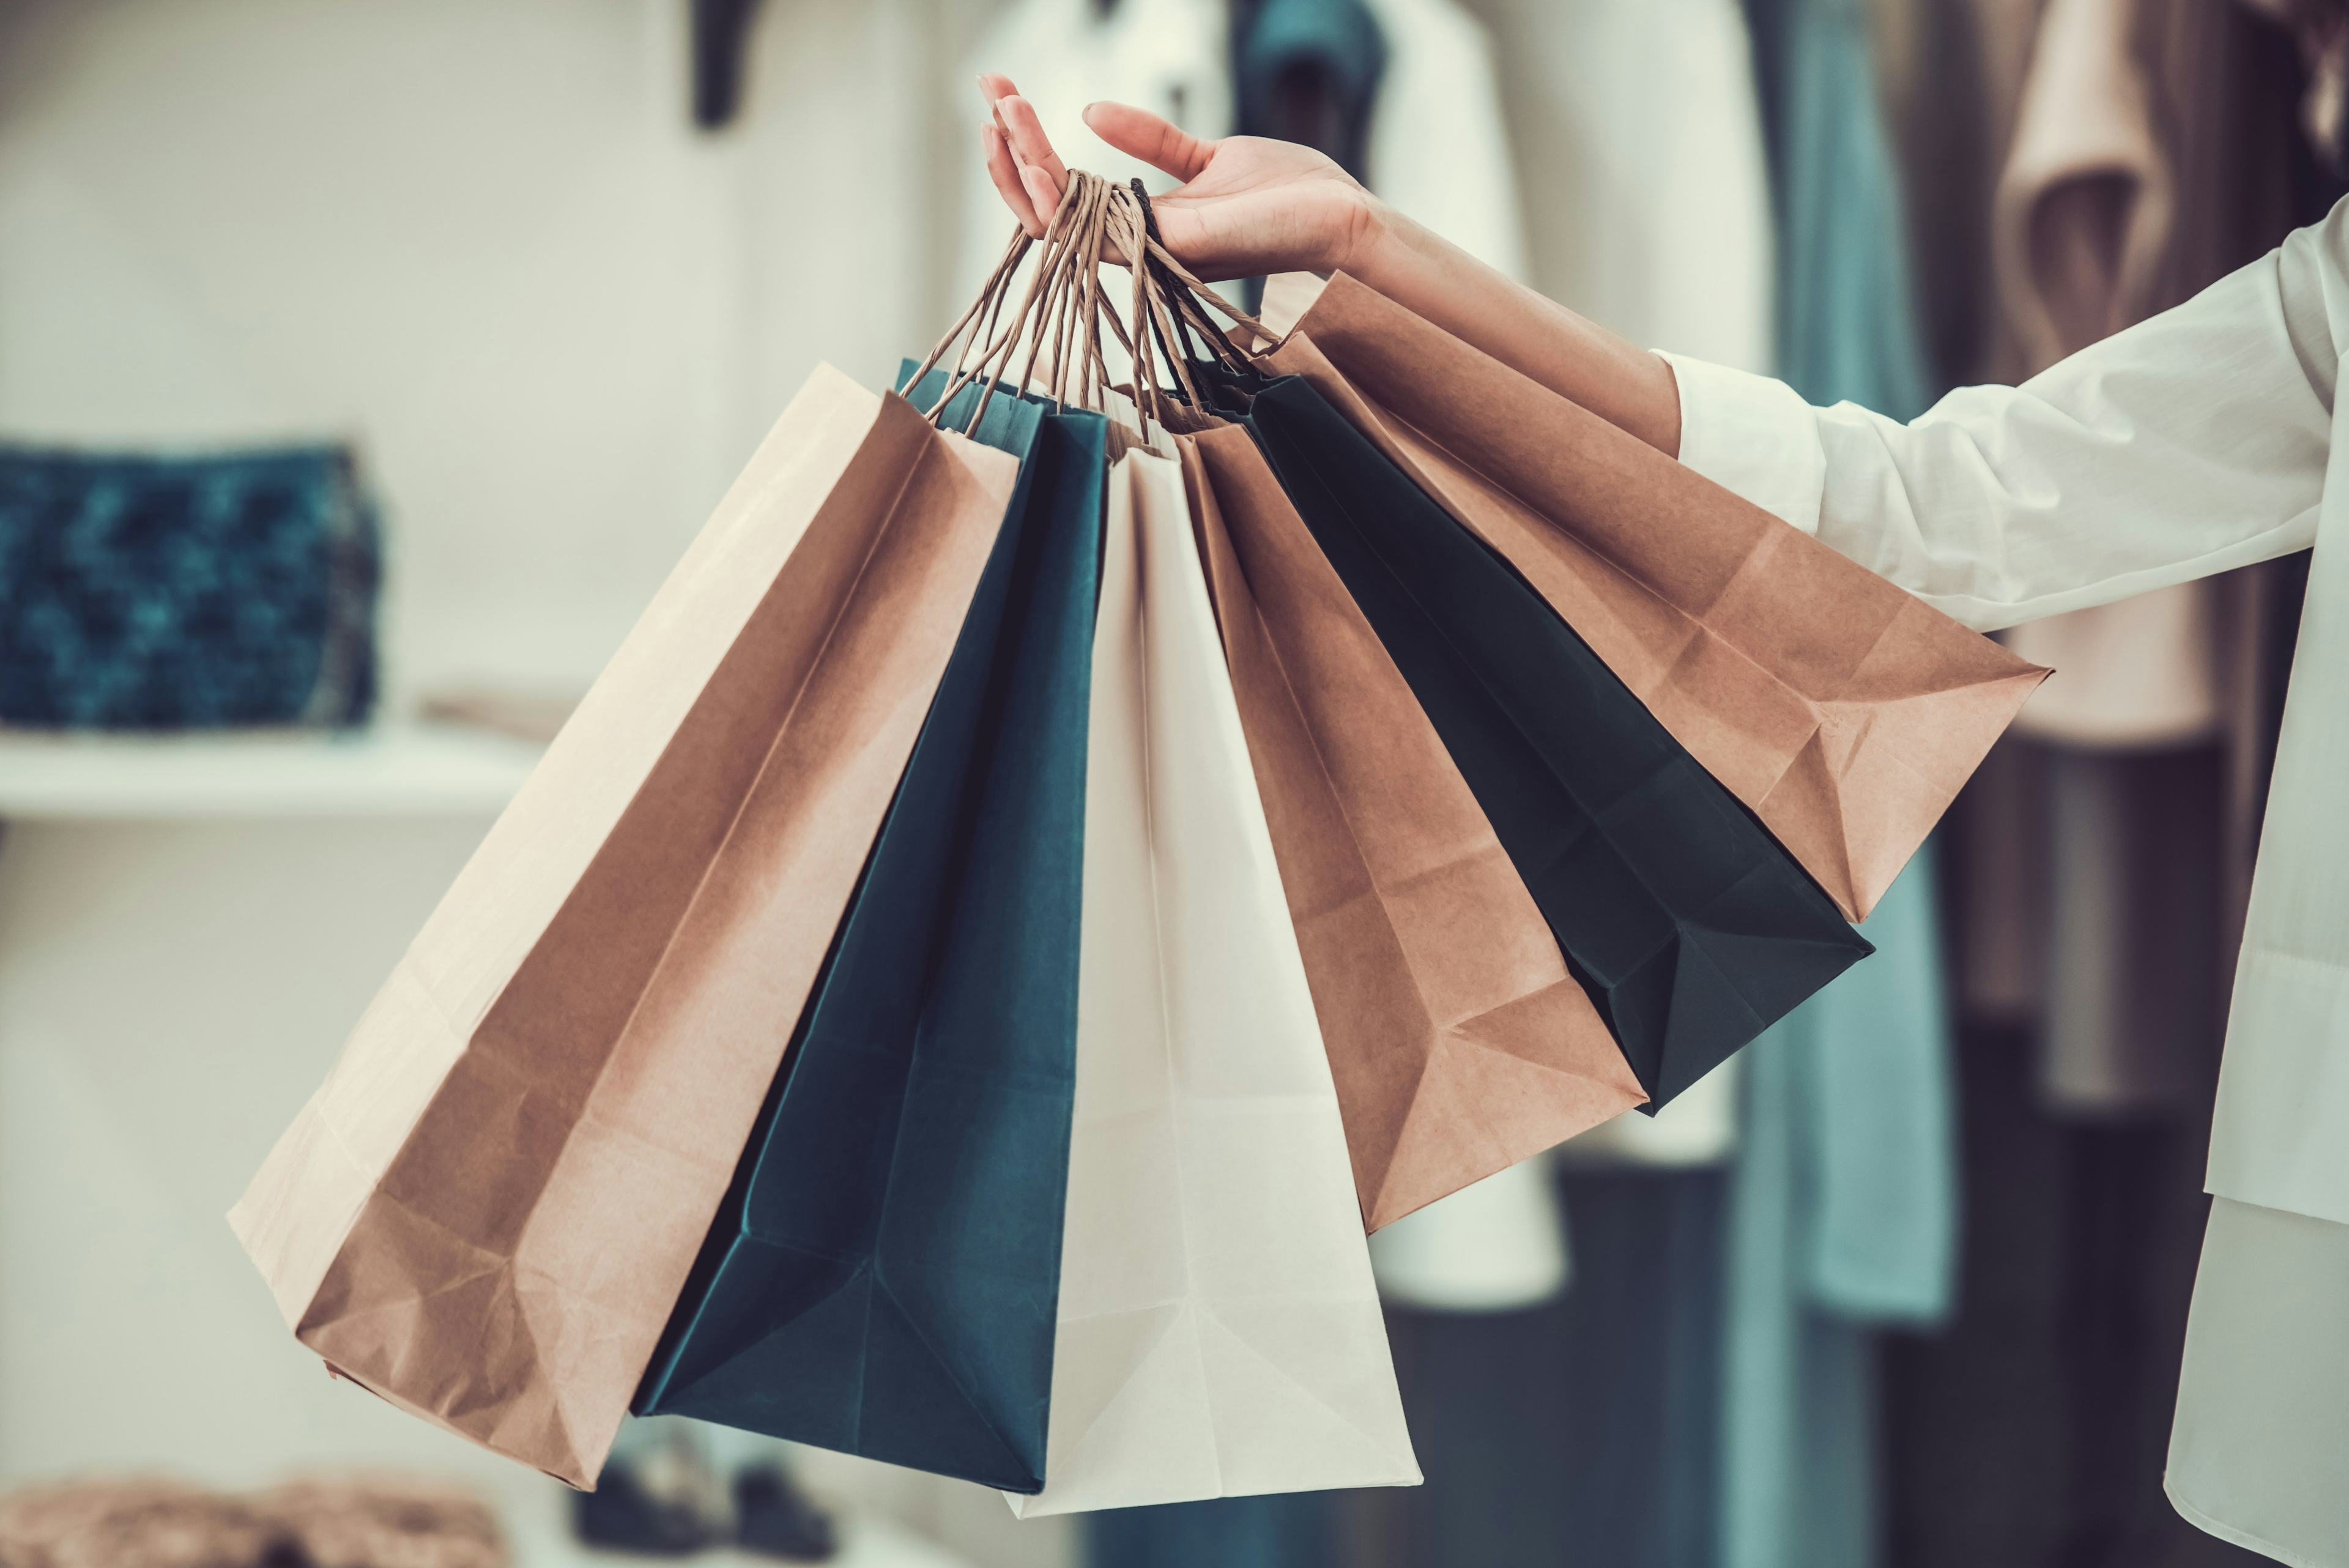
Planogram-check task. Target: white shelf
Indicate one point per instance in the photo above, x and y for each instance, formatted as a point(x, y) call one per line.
point(388, 769)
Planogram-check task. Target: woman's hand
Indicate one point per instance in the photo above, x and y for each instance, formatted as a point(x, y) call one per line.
point(1246, 205)
point(1249, 206)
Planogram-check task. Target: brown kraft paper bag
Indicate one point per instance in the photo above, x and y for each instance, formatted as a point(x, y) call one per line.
point(1843, 710)
point(487, 1211)
point(1458, 1042)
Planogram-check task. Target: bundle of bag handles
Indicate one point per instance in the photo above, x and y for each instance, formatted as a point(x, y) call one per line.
point(1061, 315)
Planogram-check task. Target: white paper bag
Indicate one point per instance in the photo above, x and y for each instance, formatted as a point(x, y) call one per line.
point(1219, 1331)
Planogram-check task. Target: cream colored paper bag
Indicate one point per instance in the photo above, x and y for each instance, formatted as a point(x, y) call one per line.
point(487, 1211)
point(1219, 1331)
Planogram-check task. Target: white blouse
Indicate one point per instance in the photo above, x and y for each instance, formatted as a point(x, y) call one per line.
point(2197, 441)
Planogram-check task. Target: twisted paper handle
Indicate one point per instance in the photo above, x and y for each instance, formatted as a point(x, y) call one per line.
point(1061, 314)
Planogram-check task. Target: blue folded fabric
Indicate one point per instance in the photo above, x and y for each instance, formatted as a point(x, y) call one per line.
point(185, 592)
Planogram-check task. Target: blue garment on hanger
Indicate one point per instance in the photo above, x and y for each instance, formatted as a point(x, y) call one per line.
point(1309, 70)
point(1842, 1217)
point(1582, 1433)
point(1284, 1529)
point(1846, 314)
point(1844, 1204)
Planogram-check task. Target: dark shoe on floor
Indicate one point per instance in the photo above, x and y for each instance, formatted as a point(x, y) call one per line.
point(774, 1518)
point(622, 1514)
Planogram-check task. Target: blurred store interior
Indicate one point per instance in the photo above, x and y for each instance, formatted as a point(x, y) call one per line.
point(519, 284)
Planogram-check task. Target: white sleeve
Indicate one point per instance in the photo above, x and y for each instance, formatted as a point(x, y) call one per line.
point(2191, 444)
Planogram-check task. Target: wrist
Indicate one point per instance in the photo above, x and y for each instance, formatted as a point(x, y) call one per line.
point(1363, 243)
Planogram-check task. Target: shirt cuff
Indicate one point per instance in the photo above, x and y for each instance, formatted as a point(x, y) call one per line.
point(1750, 434)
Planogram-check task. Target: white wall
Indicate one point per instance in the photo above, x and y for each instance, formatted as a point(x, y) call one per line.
point(481, 237)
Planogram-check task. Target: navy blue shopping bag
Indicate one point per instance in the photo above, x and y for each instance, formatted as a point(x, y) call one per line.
point(1690, 927)
point(883, 1276)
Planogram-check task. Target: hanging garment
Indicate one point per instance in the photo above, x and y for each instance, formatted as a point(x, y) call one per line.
point(2225, 406)
point(2098, 903)
point(1843, 1203)
point(2050, 1388)
point(2135, 1009)
point(1954, 80)
point(1286, 1530)
point(1219, 1331)
point(1307, 71)
point(1698, 1129)
point(1437, 149)
point(2098, 220)
point(1842, 1220)
point(2131, 182)
point(2321, 29)
point(1651, 210)
point(878, 1280)
point(1496, 1246)
point(1842, 256)
point(1584, 1430)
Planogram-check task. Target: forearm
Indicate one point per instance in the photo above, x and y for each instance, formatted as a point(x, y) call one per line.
point(1622, 382)
point(2190, 445)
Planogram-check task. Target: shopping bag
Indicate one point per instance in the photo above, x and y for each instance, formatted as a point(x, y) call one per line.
point(1219, 1331)
point(1458, 1042)
point(1687, 926)
point(1845, 712)
point(882, 1277)
point(486, 1212)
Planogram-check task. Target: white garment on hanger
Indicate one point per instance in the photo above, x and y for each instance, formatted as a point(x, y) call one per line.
point(1637, 133)
point(1438, 150)
point(2201, 440)
point(1699, 1127)
point(1497, 1245)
